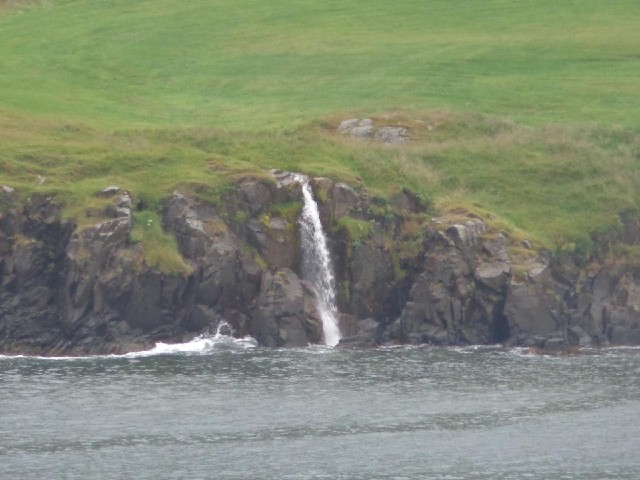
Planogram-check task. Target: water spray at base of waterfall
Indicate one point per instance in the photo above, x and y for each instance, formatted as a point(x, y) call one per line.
point(316, 263)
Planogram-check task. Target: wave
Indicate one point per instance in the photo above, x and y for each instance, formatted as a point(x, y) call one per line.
point(200, 345)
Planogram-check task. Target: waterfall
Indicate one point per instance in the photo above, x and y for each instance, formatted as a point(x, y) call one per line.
point(316, 263)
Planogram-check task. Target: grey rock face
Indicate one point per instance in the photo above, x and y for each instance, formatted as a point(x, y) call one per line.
point(344, 199)
point(494, 275)
point(277, 241)
point(89, 290)
point(195, 225)
point(365, 333)
point(285, 314)
point(456, 300)
point(256, 194)
point(528, 310)
point(372, 274)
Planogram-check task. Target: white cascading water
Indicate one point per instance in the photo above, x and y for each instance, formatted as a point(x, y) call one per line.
point(316, 263)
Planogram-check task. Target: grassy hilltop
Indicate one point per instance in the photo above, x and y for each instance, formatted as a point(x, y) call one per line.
point(527, 111)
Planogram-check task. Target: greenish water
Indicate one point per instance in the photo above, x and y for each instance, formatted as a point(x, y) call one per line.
point(228, 410)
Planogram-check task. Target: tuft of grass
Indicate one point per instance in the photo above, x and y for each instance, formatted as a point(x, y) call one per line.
point(289, 211)
point(356, 230)
point(159, 248)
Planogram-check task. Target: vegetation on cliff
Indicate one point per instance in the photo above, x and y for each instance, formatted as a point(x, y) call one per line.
point(524, 113)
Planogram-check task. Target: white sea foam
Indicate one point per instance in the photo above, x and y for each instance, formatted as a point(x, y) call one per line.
point(200, 345)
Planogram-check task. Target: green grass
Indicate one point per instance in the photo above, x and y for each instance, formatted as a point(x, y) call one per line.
point(527, 111)
point(159, 248)
point(355, 230)
point(253, 65)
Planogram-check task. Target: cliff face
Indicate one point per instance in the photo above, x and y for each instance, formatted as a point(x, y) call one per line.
point(400, 276)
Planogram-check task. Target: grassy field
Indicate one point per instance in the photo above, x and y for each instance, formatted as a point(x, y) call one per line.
point(528, 111)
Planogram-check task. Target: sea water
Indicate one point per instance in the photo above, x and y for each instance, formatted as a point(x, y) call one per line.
point(219, 408)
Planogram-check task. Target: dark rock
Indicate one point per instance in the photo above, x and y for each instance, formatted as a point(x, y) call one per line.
point(371, 269)
point(554, 344)
point(285, 314)
point(406, 201)
point(196, 225)
point(494, 275)
point(577, 337)
point(529, 310)
point(277, 241)
point(258, 195)
point(218, 280)
point(65, 291)
point(624, 335)
point(366, 333)
point(345, 200)
point(201, 318)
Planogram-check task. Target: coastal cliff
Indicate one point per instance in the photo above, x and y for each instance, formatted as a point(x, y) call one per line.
point(402, 276)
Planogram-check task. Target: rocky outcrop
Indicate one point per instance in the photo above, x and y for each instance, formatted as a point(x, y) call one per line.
point(32, 251)
point(459, 296)
point(401, 277)
point(608, 306)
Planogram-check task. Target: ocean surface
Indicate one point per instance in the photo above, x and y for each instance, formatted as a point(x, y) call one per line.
point(218, 408)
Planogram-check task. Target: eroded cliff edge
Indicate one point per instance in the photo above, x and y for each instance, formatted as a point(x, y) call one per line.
point(402, 276)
